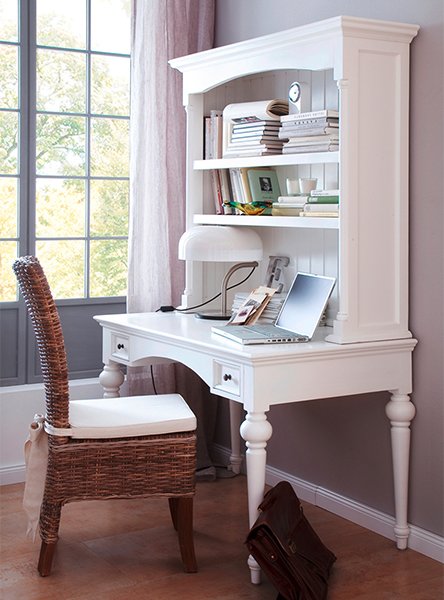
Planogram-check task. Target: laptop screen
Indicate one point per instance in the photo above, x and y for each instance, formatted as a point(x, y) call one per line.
point(305, 303)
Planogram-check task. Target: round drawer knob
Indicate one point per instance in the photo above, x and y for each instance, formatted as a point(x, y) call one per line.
point(120, 346)
point(227, 377)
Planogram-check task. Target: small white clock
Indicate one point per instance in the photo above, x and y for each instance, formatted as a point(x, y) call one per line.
point(294, 93)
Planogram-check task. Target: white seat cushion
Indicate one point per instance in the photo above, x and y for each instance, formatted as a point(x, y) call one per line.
point(130, 416)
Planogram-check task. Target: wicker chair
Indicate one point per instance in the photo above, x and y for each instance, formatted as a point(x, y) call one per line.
point(146, 448)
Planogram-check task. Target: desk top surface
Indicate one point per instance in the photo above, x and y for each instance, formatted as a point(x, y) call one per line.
point(185, 329)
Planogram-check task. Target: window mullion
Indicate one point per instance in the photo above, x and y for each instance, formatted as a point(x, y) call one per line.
point(88, 153)
point(27, 126)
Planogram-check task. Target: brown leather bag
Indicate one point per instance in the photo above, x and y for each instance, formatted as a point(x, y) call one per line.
point(287, 548)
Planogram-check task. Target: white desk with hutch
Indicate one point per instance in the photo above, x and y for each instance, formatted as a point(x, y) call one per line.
point(361, 68)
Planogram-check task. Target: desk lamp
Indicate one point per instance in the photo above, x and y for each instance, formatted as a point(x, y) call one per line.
point(221, 243)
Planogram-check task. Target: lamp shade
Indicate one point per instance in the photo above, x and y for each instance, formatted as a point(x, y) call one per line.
point(214, 243)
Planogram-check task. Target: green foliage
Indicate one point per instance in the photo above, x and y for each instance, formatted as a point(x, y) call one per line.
point(109, 268)
point(61, 144)
point(109, 207)
point(60, 208)
point(61, 81)
point(9, 76)
point(8, 286)
point(109, 147)
point(9, 143)
point(8, 213)
point(64, 265)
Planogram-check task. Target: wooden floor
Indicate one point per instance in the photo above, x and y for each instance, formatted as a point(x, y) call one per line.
point(116, 550)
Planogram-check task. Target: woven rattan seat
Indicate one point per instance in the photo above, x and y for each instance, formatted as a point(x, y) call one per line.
point(153, 464)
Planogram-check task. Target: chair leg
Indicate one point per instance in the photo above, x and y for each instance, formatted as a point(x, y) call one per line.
point(184, 521)
point(173, 510)
point(49, 529)
point(45, 558)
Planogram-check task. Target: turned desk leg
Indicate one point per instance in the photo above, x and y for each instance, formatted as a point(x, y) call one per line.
point(111, 378)
point(256, 431)
point(235, 420)
point(400, 411)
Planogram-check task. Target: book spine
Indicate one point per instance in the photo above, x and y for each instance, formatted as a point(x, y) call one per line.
point(225, 186)
point(255, 135)
point(309, 123)
point(305, 213)
point(216, 133)
point(299, 200)
point(316, 114)
point(235, 187)
point(208, 150)
point(323, 200)
point(321, 207)
point(239, 152)
point(310, 148)
point(257, 125)
point(313, 139)
point(235, 147)
point(294, 132)
point(217, 192)
point(243, 174)
point(324, 193)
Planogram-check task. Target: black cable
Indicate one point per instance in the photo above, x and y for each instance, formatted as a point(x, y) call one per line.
point(171, 308)
point(152, 380)
point(217, 295)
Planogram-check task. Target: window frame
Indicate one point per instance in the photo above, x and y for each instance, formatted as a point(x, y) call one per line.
point(26, 350)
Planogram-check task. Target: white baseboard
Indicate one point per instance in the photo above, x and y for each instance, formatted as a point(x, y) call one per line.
point(14, 474)
point(420, 540)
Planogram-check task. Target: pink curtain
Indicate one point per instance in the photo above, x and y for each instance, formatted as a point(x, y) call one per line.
point(162, 29)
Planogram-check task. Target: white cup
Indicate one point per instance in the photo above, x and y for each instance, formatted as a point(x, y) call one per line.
point(307, 185)
point(292, 186)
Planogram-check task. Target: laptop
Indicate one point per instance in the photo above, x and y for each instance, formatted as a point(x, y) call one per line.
point(297, 320)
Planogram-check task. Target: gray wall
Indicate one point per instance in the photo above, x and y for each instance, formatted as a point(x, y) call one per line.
point(343, 444)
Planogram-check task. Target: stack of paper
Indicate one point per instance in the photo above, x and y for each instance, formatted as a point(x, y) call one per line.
point(271, 311)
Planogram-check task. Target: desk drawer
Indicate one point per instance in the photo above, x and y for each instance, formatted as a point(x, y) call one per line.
point(227, 378)
point(120, 346)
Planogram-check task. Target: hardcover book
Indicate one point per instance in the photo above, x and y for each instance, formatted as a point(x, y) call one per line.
point(264, 184)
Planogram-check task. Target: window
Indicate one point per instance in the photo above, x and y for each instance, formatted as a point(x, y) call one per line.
point(64, 161)
point(65, 143)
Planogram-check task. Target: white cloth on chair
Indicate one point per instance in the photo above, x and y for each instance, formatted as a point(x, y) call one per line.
point(36, 460)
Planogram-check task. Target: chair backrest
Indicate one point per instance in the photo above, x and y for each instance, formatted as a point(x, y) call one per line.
point(48, 331)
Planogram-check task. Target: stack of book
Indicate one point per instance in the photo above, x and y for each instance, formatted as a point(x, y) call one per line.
point(316, 131)
point(254, 138)
point(252, 128)
point(289, 206)
point(321, 203)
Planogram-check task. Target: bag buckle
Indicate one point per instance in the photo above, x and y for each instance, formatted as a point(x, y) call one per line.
point(292, 546)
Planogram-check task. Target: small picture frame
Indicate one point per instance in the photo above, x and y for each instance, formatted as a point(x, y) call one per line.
point(264, 185)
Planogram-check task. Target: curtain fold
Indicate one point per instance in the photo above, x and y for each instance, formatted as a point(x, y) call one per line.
point(161, 30)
